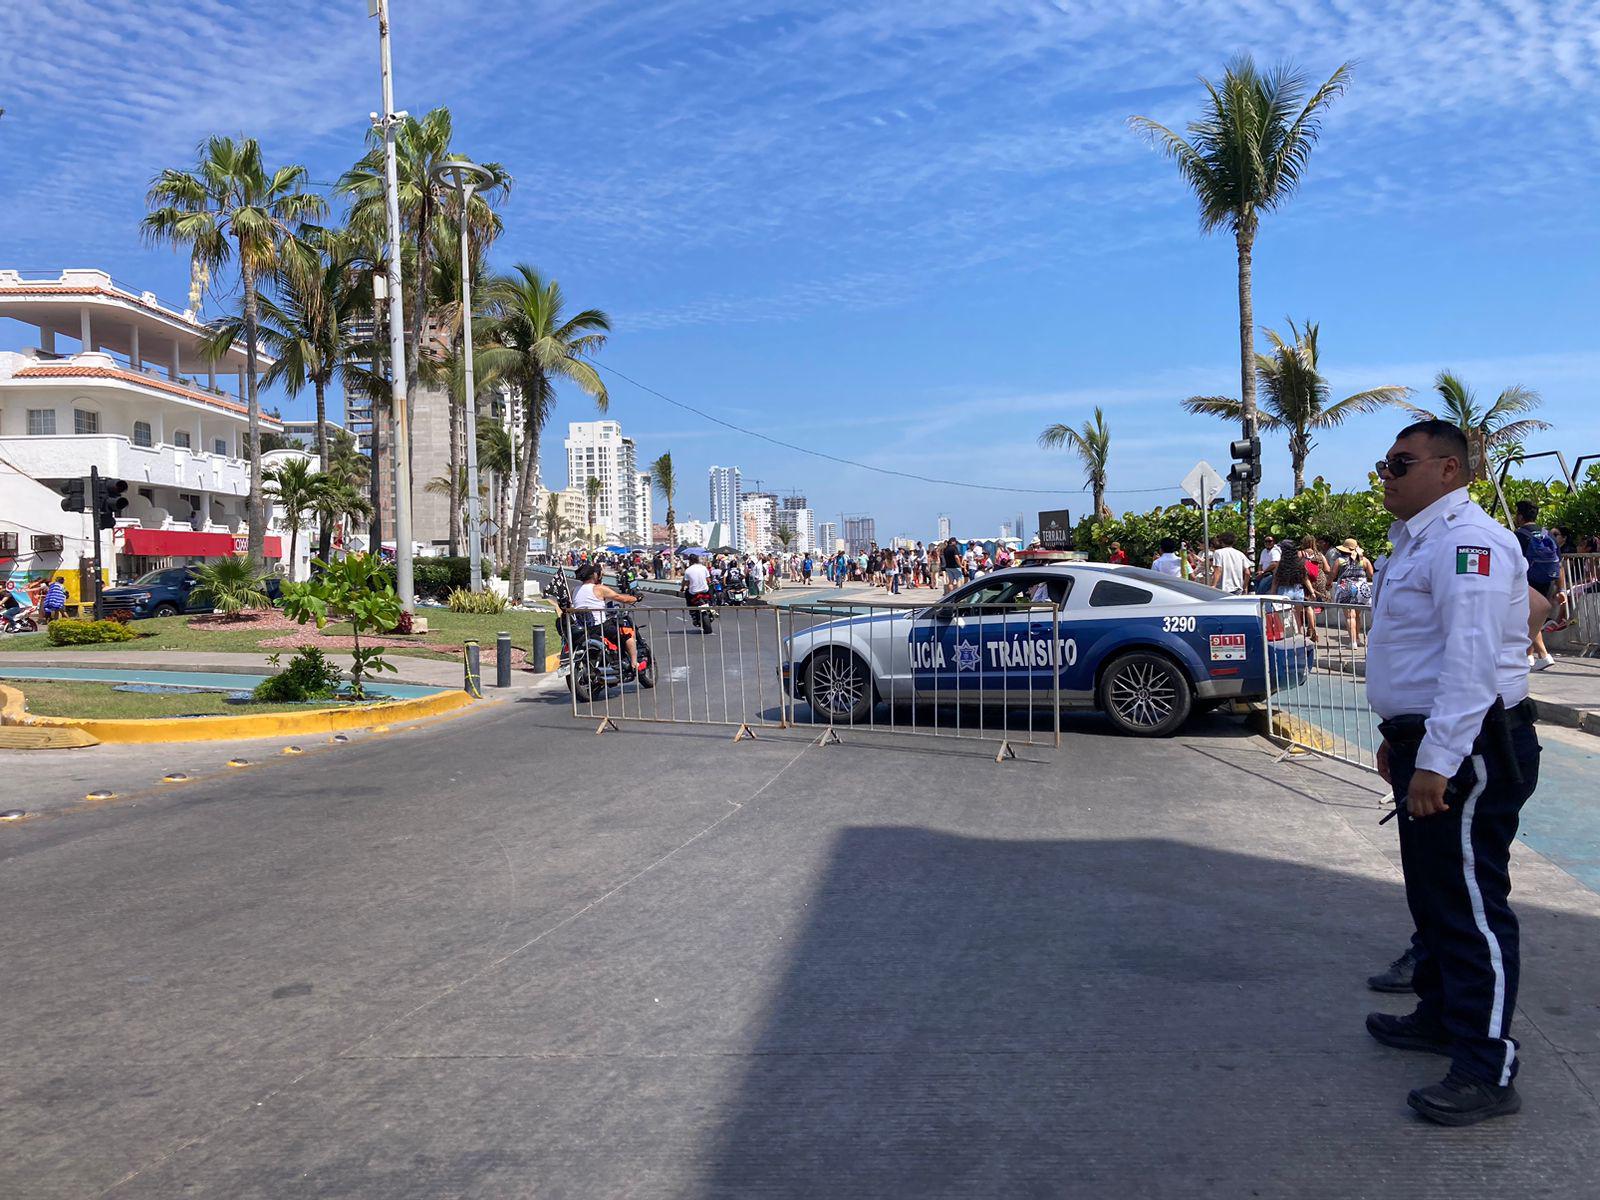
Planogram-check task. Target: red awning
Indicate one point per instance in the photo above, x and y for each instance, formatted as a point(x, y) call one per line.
point(186, 543)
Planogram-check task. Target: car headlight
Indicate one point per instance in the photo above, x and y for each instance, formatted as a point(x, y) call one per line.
point(138, 597)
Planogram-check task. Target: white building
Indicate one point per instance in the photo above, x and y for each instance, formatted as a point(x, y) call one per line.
point(758, 523)
point(802, 523)
point(643, 507)
point(692, 532)
point(726, 491)
point(828, 537)
point(944, 528)
point(115, 380)
point(597, 449)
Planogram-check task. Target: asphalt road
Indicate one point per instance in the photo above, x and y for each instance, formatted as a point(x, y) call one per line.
point(502, 957)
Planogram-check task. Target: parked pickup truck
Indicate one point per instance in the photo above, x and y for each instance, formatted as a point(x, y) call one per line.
point(168, 592)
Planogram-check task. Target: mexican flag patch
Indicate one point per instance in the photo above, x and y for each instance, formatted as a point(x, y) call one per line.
point(1472, 560)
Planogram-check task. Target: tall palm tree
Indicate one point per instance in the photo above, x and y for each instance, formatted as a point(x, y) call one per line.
point(1245, 156)
point(297, 489)
point(1296, 396)
point(1492, 433)
point(420, 146)
point(531, 343)
point(1092, 443)
point(231, 204)
point(337, 501)
point(592, 488)
point(667, 484)
point(555, 524)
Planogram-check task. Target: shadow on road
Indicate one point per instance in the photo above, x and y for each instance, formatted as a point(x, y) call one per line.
point(972, 1017)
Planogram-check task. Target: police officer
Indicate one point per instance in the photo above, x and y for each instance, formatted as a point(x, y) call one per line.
point(1447, 671)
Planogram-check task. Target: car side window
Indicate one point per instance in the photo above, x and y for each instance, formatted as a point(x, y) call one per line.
point(172, 578)
point(1108, 593)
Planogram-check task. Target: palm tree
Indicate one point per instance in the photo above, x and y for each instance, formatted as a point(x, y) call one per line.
point(420, 146)
point(667, 484)
point(297, 489)
point(231, 204)
point(1493, 434)
point(337, 501)
point(231, 585)
point(554, 523)
point(1245, 156)
point(497, 454)
point(1296, 396)
point(531, 343)
point(592, 488)
point(1093, 446)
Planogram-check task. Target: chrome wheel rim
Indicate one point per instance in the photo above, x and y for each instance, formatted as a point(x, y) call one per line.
point(1143, 694)
point(836, 685)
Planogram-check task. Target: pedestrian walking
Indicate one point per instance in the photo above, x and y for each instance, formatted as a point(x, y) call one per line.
point(1542, 557)
point(1447, 673)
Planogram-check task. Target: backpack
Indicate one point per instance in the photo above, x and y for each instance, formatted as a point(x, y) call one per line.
point(1544, 558)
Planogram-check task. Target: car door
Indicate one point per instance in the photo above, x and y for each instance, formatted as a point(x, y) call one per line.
point(968, 646)
point(183, 587)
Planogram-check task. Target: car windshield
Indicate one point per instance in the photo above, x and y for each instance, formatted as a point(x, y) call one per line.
point(1184, 587)
point(149, 578)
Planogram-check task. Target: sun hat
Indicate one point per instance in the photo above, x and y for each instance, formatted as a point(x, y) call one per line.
point(1350, 546)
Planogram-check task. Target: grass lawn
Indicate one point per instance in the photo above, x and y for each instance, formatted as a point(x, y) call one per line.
point(48, 698)
point(444, 628)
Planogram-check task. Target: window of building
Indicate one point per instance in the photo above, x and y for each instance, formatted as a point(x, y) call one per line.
point(41, 422)
point(182, 438)
point(220, 446)
point(141, 433)
point(84, 421)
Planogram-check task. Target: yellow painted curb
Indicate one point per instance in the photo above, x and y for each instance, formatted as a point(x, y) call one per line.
point(1300, 733)
point(257, 725)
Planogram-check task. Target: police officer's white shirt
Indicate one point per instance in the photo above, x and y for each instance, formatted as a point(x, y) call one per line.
point(1449, 626)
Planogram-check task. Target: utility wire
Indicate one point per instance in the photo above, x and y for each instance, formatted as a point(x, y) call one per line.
point(850, 462)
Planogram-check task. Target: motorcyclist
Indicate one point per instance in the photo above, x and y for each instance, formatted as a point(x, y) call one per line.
point(589, 603)
point(696, 582)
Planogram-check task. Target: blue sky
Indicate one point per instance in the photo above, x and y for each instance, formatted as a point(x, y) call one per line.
point(909, 233)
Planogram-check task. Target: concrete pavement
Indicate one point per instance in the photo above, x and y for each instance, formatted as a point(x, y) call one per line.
point(503, 957)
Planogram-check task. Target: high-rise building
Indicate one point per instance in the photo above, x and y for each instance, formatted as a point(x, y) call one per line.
point(803, 524)
point(758, 522)
point(944, 527)
point(643, 511)
point(860, 533)
point(827, 536)
point(794, 501)
point(726, 488)
point(597, 450)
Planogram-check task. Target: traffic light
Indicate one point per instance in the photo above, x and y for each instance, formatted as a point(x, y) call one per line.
point(72, 489)
point(110, 501)
point(1246, 467)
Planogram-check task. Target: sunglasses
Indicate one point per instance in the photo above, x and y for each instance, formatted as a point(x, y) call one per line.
point(1397, 466)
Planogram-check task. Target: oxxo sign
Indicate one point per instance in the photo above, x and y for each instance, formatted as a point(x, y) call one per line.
point(1055, 530)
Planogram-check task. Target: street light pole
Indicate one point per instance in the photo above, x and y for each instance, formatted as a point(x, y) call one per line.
point(465, 176)
point(400, 452)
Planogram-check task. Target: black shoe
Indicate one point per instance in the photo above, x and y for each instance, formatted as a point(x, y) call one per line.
point(1462, 1100)
point(1409, 1033)
point(1398, 977)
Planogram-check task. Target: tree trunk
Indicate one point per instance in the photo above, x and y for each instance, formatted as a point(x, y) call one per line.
point(458, 499)
point(1099, 500)
point(414, 335)
point(375, 480)
point(524, 514)
point(256, 510)
point(1299, 450)
point(672, 527)
point(1245, 240)
point(294, 544)
point(325, 523)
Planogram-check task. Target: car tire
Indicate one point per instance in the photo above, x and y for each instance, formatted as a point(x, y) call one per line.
point(1145, 694)
point(165, 609)
point(839, 686)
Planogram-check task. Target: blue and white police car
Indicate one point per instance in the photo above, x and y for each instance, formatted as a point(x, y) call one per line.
point(1146, 649)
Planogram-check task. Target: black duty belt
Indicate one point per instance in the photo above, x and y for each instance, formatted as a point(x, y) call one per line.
point(1405, 733)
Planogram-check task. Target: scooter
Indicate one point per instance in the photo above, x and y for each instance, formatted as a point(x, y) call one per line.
point(20, 620)
point(600, 662)
point(734, 589)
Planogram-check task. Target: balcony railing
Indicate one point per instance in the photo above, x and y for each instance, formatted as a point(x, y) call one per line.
point(63, 456)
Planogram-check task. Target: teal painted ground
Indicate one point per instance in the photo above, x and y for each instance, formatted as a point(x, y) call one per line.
point(224, 681)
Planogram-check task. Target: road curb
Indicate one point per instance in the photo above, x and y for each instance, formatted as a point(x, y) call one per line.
point(259, 725)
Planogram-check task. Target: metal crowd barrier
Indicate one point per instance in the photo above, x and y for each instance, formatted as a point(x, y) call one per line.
point(1579, 598)
point(1322, 709)
point(983, 673)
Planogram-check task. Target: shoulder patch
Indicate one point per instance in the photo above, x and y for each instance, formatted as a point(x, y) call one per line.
point(1472, 560)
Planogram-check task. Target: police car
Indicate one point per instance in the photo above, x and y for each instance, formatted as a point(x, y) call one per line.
point(1146, 649)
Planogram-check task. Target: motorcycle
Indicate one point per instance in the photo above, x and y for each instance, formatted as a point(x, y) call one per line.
point(701, 612)
point(734, 589)
point(20, 620)
point(600, 660)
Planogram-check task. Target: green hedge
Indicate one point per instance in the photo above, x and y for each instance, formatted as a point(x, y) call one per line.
point(70, 632)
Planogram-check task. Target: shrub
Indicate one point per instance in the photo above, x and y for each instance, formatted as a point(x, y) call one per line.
point(355, 589)
point(432, 577)
point(231, 585)
point(309, 676)
point(70, 632)
point(463, 601)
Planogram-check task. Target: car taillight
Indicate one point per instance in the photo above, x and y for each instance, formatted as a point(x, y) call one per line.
point(1274, 624)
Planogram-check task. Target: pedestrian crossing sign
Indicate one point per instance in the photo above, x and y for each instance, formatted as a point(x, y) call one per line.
point(1472, 560)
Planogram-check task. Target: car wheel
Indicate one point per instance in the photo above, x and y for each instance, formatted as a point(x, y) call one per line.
point(1145, 694)
point(839, 686)
point(164, 609)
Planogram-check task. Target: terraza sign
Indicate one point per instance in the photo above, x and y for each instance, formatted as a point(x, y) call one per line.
point(1055, 530)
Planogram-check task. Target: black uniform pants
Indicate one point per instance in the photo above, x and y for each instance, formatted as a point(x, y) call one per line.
point(1458, 886)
